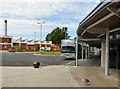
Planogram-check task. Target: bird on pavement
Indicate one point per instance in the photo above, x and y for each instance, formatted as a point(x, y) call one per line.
point(86, 81)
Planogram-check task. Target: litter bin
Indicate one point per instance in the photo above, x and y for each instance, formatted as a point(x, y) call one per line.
point(36, 64)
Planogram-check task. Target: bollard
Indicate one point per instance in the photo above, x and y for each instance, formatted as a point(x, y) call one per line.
point(36, 64)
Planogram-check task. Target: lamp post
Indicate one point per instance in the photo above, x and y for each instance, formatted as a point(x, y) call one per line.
point(34, 36)
point(40, 23)
point(34, 40)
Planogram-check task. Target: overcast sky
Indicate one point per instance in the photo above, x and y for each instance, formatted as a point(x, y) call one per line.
point(23, 16)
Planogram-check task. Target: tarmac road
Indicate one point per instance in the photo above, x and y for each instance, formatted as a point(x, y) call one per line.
point(27, 59)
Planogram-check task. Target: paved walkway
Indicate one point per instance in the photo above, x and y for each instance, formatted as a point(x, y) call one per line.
point(49, 76)
point(57, 76)
point(0, 77)
point(93, 62)
point(95, 75)
point(91, 70)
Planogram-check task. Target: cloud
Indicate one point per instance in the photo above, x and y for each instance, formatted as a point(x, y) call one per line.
point(30, 9)
point(28, 27)
point(23, 15)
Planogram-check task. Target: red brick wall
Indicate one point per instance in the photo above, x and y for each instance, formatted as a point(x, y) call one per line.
point(0, 47)
point(23, 45)
point(5, 40)
point(4, 47)
point(36, 47)
point(56, 48)
point(30, 47)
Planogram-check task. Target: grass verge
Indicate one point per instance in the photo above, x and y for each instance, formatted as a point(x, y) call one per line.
point(49, 52)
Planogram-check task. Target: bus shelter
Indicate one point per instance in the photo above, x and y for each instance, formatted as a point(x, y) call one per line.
point(101, 28)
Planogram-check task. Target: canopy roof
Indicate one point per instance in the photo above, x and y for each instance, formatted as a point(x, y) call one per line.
point(105, 16)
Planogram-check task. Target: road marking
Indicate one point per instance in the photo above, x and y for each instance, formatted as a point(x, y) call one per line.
point(79, 60)
point(69, 63)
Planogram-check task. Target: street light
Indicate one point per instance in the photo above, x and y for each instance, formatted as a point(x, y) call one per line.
point(40, 23)
point(34, 36)
point(34, 40)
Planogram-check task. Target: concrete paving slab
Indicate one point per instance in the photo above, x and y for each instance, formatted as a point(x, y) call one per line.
point(57, 76)
point(49, 76)
point(0, 77)
point(95, 75)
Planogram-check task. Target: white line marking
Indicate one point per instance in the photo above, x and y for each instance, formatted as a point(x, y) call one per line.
point(70, 62)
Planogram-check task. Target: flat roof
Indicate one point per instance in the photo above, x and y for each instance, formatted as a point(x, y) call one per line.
point(5, 36)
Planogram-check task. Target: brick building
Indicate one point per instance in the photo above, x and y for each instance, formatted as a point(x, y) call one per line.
point(25, 44)
point(46, 45)
point(55, 47)
point(5, 42)
point(20, 44)
point(32, 45)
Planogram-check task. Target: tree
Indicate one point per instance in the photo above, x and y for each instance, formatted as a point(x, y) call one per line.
point(57, 35)
point(48, 37)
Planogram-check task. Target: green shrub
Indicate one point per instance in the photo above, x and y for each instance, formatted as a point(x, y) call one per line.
point(11, 51)
point(18, 49)
point(49, 52)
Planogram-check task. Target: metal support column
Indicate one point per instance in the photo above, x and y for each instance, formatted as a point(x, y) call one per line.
point(82, 51)
point(103, 54)
point(117, 62)
point(107, 53)
point(76, 61)
point(86, 53)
